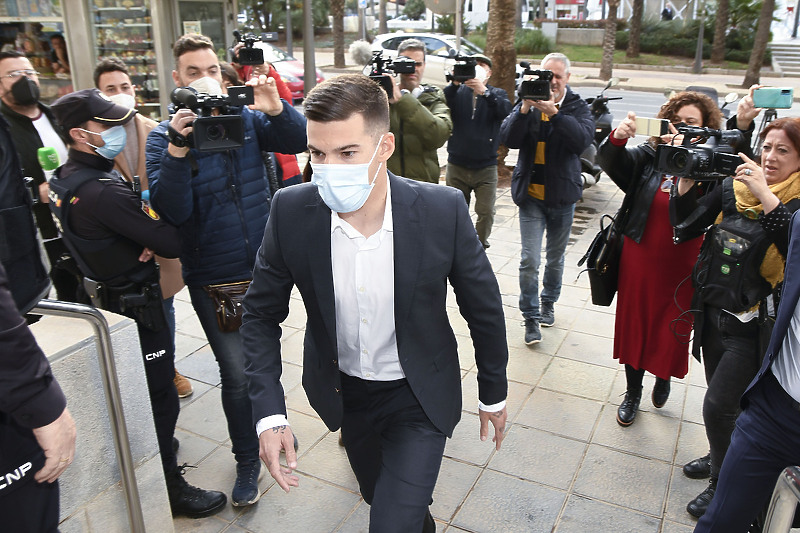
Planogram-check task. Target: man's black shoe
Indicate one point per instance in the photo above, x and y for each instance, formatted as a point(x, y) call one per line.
point(660, 392)
point(429, 526)
point(629, 406)
point(699, 505)
point(699, 468)
point(187, 500)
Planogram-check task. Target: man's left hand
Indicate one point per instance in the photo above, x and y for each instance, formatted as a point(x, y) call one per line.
point(267, 99)
point(498, 420)
point(547, 107)
point(477, 86)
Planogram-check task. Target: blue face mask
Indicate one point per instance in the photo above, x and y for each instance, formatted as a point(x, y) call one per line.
point(114, 139)
point(345, 188)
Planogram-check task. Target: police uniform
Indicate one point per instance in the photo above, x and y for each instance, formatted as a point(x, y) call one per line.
point(106, 225)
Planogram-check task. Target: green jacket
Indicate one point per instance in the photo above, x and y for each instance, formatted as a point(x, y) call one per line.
point(420, 125)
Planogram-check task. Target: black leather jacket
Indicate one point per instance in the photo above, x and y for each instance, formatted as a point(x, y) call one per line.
point(628, 168)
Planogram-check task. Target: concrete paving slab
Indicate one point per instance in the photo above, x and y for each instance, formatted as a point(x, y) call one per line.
point(584, 514)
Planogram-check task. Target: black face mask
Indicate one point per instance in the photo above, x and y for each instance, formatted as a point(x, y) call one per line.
point(25, 91)
point(679, 125)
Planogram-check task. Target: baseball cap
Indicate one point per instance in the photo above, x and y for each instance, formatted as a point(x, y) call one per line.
point(74, 109)
point(483, 58)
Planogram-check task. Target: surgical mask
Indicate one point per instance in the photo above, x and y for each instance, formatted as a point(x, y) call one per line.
point(114, 139)
point(25, 91)
point(345, 188)
point(124, 99)
point(206, 85)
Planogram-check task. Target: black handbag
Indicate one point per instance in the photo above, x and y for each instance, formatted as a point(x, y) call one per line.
point(603, 256)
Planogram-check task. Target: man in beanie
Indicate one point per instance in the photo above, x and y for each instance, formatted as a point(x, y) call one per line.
point(113, 236)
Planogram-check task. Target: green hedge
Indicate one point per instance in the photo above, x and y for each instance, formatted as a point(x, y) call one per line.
point(530, 42)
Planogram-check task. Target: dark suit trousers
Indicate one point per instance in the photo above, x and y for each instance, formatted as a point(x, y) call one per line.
point(766, 440)
point(394, 449)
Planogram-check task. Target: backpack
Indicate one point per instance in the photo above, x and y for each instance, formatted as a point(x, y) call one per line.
point(20, 252)
point(727, 273)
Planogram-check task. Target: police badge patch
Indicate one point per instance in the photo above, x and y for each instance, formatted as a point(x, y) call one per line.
point(149, 211)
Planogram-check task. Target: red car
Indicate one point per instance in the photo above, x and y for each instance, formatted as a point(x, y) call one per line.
point(291, 70)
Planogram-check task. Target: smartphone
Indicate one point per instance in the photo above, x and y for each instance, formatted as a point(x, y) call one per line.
point(773, 97)
point(652, 127)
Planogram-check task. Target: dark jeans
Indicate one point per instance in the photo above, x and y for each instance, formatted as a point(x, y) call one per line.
point(227, 348)
point(766, 440)
point(731, 356)
point(394, 449)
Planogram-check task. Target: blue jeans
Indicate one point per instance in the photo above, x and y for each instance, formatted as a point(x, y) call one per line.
point(227, 348)
point(534, 219)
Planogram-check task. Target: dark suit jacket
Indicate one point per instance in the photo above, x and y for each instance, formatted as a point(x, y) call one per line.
point(790, 293)
point(434, 241)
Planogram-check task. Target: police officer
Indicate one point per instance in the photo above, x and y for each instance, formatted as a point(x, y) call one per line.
point(113, 236)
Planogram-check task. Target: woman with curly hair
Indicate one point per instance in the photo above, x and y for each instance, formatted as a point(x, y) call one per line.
point(652, 328)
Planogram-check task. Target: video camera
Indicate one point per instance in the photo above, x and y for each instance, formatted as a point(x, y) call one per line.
point(463, 70)
point(214, 133)
point(705, 154)
point(538, 89)
point(248, 54)
point(381, 66)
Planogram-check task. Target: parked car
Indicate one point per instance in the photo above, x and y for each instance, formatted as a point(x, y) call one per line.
point(291, 70)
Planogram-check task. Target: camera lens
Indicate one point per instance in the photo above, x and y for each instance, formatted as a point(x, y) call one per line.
point(679, 160)
point(216, 132)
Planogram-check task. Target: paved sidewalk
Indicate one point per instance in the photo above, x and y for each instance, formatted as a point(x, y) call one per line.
point(565, 464)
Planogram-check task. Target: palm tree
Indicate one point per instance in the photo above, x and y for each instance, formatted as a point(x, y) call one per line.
point(610, 40)
point(720, 25)
point(382, 28)
point(759, 44)
point(337, 10)
point(636, 29)
point(500, 48)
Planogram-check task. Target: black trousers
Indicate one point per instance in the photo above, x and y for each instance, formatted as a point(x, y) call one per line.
point(395, 452)
point(31, 508)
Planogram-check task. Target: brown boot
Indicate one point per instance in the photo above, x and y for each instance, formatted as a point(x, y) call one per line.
point(183, 385)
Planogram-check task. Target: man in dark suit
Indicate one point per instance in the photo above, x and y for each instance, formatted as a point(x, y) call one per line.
point(767, 435)
point(371, 254)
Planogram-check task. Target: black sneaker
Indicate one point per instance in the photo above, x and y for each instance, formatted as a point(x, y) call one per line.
point(533, 334)
point(626, 413)
point(245, 490)
point(547, 315)
point(699, 505)
point(187, 500)
point(699, 468)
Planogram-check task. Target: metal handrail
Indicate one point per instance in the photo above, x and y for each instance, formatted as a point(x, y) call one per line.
point(108, 375)
point(783, 504)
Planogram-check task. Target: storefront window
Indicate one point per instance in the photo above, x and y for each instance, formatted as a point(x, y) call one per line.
point(124, 29)
point(36, 29)
point(206, 18)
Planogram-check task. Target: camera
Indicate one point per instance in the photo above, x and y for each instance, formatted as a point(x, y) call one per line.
point(463, 70)
point(381, 66)
point(706, 154)
point(248, 54)
point(535, 89)
point(214, 133)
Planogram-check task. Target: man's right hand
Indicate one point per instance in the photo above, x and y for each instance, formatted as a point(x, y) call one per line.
point(181, 122)
point(271, 442)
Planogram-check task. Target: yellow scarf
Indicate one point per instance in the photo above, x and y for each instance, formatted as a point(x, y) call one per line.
point(774, 263)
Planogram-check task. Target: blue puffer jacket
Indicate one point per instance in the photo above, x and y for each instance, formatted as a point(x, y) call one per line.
point(221, 210)
point(573, 130)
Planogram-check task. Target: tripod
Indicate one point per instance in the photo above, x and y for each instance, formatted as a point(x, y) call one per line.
point(769, 115)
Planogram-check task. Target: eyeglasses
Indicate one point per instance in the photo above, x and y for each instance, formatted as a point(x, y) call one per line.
point(19, 73)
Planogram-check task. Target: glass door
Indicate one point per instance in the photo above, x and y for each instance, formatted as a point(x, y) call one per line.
point(207, 18)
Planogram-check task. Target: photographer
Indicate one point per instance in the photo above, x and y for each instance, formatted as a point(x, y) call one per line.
point(653, 289)
point(477, 110)
point(737, 276)
point(220, 202)
point(419, 119)
point(551, 134)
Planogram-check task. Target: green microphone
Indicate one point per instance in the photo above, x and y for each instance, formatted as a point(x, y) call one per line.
point(48, 159)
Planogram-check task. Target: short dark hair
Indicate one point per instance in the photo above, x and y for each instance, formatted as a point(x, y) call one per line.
point(341, 97)
point(189, 43)
point(57, 36)
point(109, 64)
point(229, 73)
point(10, 54)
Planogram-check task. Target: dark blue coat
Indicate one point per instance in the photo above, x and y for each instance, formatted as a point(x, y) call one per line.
point(573, 130)
point(222, 210)
point(475, 137)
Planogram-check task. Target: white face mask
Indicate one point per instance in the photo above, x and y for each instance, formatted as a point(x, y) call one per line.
point(206, 85)
point(345, 188)
point(123, 99)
